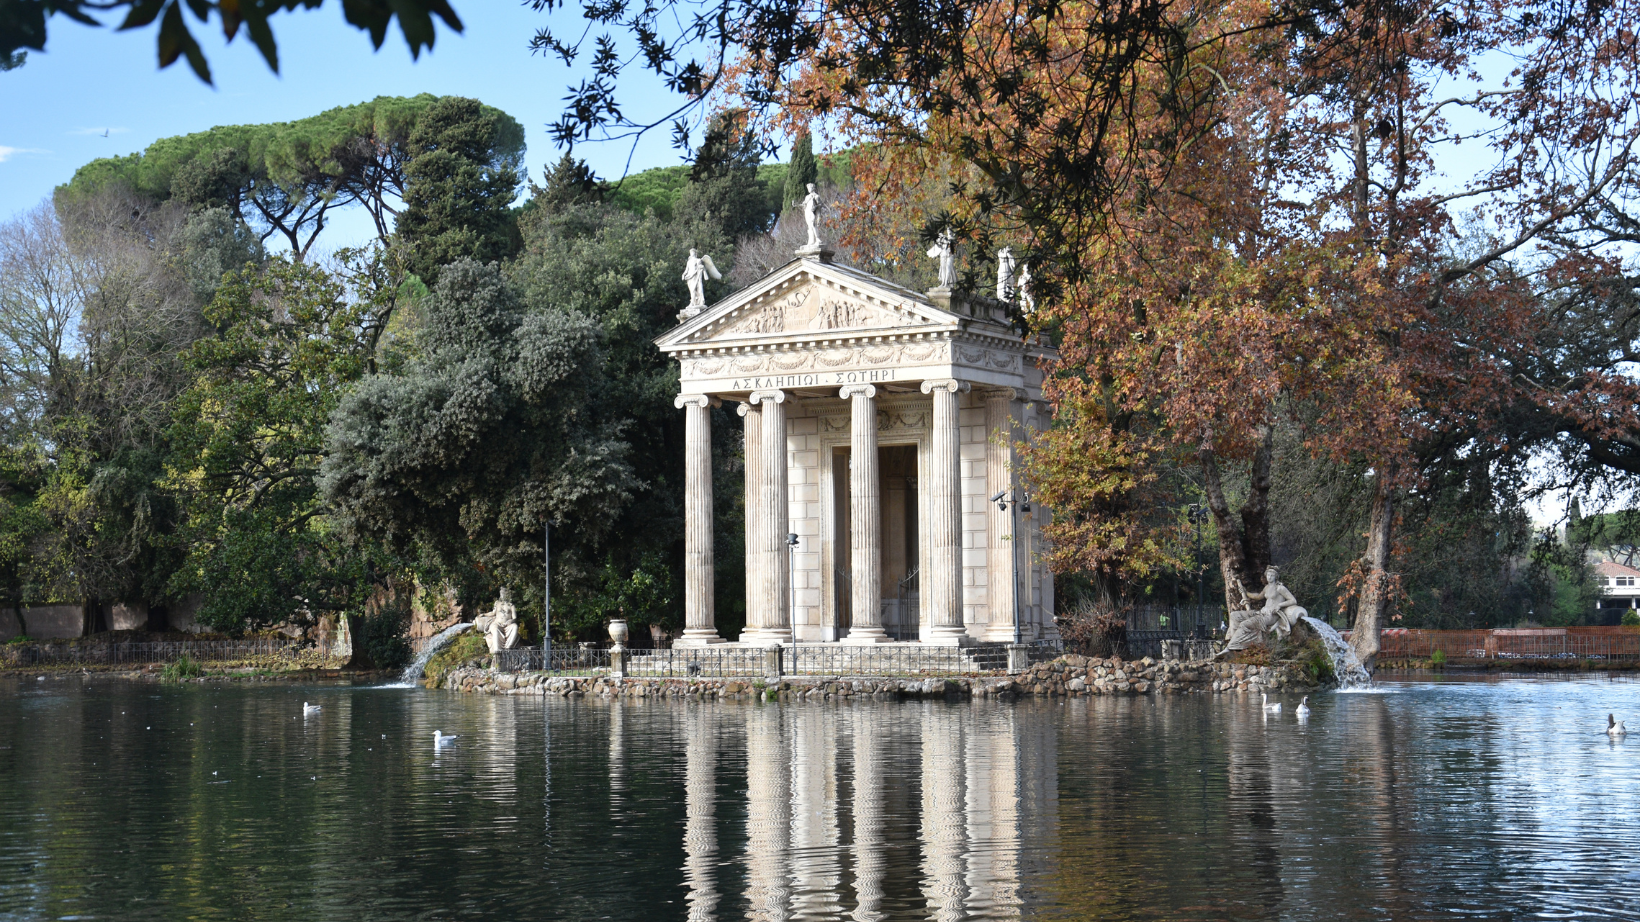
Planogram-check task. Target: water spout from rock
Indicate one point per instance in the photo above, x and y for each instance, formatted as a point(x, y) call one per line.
point(1346, 665)
point(413, 672)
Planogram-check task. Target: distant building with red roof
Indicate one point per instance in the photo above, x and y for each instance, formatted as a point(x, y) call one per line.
point(1619, 585)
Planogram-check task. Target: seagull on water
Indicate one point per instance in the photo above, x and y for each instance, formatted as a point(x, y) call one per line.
point(1268, 707)
point(1614, 727)
point(310, 709)
point(1303, 709)
point(440, 740)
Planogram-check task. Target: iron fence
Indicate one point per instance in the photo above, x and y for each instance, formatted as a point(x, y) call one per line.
point(143, 652)
point(698, 663)
point(878, 660)
point(570, 661)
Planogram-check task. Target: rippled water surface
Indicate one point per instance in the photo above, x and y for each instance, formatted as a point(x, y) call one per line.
point(1453, 800)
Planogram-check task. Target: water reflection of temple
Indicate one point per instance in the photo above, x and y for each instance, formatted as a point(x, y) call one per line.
point(833, 830)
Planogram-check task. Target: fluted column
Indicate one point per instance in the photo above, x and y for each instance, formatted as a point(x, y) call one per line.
point(944, 517)
point(755, 613)
point(774, 563)
point(699, 619)
point(865, 518)
point(1002, 550)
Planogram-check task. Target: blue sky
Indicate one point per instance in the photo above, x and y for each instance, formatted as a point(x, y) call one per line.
point(54, 110)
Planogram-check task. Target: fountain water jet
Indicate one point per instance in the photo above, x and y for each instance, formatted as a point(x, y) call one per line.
point(413, 672)
point(1346, 665)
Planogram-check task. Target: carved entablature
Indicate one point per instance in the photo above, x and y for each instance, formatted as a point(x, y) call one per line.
point(813, 326)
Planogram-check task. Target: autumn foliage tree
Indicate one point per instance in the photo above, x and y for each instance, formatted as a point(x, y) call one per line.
point(1238, 212)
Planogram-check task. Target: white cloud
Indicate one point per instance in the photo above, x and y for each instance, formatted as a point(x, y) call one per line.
point(99, 132)
point(6, 152)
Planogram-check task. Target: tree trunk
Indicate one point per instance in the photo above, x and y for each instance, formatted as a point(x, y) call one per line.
point(1244, 547)
point(1375, 591)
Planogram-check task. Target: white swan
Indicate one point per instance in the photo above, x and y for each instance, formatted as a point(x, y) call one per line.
point(310, 709)
point(1303, 709)
point(440, 740)
point(1268, 707)
point(1614, 727)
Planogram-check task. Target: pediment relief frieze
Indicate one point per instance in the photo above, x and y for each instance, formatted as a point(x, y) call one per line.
point(808, 309)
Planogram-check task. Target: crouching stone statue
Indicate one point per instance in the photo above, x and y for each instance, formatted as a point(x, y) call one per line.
point(499, 625)
point(1276, 616)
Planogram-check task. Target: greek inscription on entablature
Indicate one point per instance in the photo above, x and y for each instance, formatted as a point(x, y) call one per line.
point(856, 360)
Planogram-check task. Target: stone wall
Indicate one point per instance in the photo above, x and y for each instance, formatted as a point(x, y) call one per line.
point(54, 622)
point(1071, 676)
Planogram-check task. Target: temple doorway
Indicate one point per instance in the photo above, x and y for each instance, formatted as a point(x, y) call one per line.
point(897, 488)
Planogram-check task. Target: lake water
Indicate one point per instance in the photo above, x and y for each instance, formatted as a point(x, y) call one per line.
point(1434, 800)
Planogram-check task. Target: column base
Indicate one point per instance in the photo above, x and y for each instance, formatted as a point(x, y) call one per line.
point(1001, 634)
point(698, 637)
point(948, 637)
point(765, 637)
point(864, 636)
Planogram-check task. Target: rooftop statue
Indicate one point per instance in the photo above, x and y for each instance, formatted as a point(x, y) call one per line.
point(944, 249)
point(1027, 302)
point(695, 273)
point(1005, 274)
point(811, 217)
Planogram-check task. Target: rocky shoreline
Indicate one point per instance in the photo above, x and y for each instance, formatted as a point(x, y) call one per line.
point(1067, 676)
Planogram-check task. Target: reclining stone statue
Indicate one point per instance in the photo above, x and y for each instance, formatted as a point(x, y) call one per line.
point(499, 625)
point(1276, 616)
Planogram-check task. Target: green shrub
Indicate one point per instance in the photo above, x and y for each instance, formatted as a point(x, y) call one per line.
point(1437, 659)
point(24, 638)
point(183, 667)
point(1631, 618)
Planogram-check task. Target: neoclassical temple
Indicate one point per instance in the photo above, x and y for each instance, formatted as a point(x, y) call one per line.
point(879, 425)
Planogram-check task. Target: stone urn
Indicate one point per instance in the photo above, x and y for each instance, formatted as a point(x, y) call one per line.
point(617, 631)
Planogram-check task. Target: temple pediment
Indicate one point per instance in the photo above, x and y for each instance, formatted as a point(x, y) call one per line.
point(809, 298)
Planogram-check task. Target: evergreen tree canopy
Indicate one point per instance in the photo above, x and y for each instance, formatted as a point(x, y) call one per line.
point(802, 170)
point(285, 177)
point(461, 175)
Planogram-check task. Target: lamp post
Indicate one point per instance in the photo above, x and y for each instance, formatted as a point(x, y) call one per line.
point(1017, 501)
point(791, 599)
point(1198, 514)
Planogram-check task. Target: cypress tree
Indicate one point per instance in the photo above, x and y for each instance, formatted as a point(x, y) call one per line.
point(460, 182)
point(803, 170)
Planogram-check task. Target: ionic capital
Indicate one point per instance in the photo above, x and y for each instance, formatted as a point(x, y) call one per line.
point(857, 390)
point(744, 408)
point(695, 400)
point(757, 397)
point(948, 385)
point(1003, 393)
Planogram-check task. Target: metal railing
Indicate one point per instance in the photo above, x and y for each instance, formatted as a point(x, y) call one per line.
point(142, 652)
point(698, 663)
point(878, 660)
point(569, 661)
point(1517, 645)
